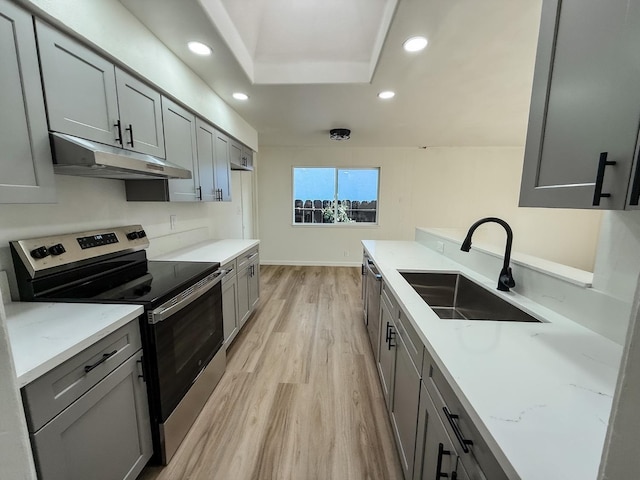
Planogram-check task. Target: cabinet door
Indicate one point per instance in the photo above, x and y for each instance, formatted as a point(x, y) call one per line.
point(235, 154)
point(254, 283)
point(180, 140)
point(387, 353)
point(222, 169)
point(140, 114)
point(206, 139)
point(104, 435)
point(243, 296)
point(585, 101)
point(26, 167)
point(247, 158)
point(435, 457)
point(79, 86)
point(230, 310)
point(404, 412)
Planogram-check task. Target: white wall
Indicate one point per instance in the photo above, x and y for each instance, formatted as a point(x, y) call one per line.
point(109, 26)
point(447, 187)
point(88, 203)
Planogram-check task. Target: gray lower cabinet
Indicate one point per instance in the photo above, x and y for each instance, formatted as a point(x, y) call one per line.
point(404, 405)
point(585, 103)
point(87, 96)
point(26, 167)
point(387, 355)
point(89, 417)
point(230, 318)
point(248, 284)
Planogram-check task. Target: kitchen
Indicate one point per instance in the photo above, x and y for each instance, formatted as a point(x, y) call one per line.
point(86, 204)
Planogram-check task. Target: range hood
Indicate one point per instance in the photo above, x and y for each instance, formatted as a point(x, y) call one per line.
point(80, 157)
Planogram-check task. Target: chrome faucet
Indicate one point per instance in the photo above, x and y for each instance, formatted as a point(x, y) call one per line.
point(505, 280)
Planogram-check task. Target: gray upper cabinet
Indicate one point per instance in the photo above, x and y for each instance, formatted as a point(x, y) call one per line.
point(26, 167)
point(585, 107)
point(181, 149)
point(247, 158)
point(87, 96)
point(240, 156)
point(80, 88)
point(206, 139)
point(140, 115)
point(222, 173)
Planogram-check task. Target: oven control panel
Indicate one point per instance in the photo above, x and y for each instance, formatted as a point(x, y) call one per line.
point(40, 254)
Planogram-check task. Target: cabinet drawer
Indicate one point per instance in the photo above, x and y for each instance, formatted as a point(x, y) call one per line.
point(47, 396)
point(230, 268)
point(411, 340)
point(479, 453)
point(392, 303)
point(247, 257)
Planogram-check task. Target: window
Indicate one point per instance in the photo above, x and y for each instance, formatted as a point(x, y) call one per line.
point(327, 195)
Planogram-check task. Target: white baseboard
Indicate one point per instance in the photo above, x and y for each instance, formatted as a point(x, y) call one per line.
point(309, 264)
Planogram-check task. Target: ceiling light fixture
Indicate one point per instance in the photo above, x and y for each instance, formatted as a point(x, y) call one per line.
point(240, 96)
point(386, 95)
point(199, 48)
point(340, 134)
point(415, 44)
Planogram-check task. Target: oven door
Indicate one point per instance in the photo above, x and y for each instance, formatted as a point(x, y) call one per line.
point(186, 332)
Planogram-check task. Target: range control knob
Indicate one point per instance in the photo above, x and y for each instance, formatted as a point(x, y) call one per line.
point(132, 235)
point(142, 234)
point(40, 252)
point(57, 249)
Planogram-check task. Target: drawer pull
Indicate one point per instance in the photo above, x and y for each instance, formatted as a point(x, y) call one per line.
point(104, 358)
point(464, 443)
point(441, 452)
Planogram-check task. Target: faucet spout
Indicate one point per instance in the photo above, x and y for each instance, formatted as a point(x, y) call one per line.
point(505, 279)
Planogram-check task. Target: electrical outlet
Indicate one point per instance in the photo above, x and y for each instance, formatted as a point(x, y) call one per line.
point(440, 247)
point(173, 219)
point(346, 253)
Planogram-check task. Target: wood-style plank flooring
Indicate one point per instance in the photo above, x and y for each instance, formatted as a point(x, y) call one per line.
point(300, 398)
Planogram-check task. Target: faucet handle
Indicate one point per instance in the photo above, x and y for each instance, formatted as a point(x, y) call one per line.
point(506, 281)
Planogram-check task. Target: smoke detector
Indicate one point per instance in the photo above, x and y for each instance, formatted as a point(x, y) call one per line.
point(340, 134)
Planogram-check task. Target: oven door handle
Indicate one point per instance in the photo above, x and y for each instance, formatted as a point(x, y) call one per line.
point(179, 302)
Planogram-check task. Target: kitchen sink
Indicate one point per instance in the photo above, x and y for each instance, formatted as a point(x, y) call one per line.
point(454, 297)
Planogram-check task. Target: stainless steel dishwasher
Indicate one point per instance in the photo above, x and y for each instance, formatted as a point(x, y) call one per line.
point(374, 290)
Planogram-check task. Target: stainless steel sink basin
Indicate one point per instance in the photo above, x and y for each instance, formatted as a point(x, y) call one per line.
point(453, 296)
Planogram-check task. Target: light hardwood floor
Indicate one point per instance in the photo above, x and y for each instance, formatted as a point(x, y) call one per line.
point(300, 398)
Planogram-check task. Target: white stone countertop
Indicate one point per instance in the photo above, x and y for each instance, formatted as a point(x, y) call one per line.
point(221, 251)
point(540, 393)
point(44, 335)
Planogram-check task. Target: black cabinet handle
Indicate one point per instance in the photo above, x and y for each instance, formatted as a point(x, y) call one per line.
point(392, 334)
point(141, 375)
point(464, 443)
point(104, 358)
point(199, 193)
point(118, 125)
point(635, 188)
point(386, 338)
point(441, 452)
point(602, 164)
point(130, 130)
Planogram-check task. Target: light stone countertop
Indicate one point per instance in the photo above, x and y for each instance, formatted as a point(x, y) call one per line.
point(221, 251)
point(540, 393)
point(44, 335)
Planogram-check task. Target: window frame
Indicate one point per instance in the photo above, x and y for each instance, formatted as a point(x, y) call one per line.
point(334, 224)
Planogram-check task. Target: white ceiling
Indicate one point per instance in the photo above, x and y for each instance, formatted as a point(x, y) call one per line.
point(470, 87)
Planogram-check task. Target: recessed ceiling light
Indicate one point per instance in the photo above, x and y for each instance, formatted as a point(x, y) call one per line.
point(386, 95)
point(415, 44)
point(240, 96)
point(199, 48)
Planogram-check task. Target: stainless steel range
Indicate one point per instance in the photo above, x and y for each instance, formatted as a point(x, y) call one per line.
point(181, 327)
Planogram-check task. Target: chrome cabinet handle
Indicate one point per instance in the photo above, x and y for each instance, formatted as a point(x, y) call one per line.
point(602, 164)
